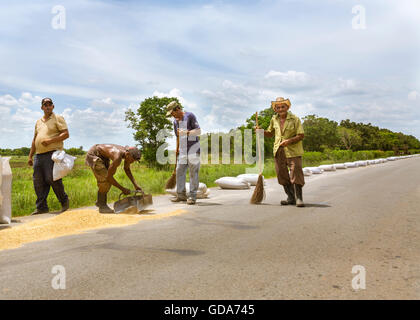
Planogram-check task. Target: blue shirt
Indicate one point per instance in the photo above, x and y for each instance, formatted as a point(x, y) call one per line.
point(189, 122)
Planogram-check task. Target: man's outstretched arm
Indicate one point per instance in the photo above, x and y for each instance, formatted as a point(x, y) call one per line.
point(130, 176)
point(110, 177)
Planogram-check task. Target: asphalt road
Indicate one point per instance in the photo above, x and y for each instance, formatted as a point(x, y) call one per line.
point(225, 248)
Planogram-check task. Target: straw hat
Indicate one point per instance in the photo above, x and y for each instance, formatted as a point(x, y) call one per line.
point(170, 107)
point(280, 100)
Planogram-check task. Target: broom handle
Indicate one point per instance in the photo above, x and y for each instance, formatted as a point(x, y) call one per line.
point(177, 151)
point(258, 143)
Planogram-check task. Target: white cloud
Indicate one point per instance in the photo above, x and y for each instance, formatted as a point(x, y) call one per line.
point(17, 126)
point(231, 94)
point(97, 124)
point(26, 99)
point(8, 100)
point(289, 76)
point(88, 127)
point(25, 118)
point(290, 80)
point(176, 93)
point(18, 116)
point(103, 103)
point(222, 119)
point(413, 95)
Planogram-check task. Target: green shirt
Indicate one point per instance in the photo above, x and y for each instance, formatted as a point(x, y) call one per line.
point(292, 127)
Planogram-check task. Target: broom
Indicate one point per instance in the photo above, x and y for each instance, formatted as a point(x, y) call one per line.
point(259, 193)
point(171, 183)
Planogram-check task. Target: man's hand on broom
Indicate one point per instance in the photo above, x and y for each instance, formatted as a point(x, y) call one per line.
point(182, 132)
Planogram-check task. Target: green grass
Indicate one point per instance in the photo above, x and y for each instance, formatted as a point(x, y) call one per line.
point(81, 187)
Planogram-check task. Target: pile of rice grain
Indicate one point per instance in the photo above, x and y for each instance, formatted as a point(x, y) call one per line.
point(69, 223)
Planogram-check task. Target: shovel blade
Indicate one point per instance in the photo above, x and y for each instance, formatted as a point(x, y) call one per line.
point(145, 201)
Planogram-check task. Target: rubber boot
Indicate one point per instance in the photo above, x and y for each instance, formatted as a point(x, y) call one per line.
point(290, 191)
point(102, 203)
point(299, 197)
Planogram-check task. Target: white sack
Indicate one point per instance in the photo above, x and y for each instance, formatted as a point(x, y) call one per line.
point(63, 164)
point(5, 191)
point(232, 183)
point(340, 166)
point(251, 178)
point(361, 163)
point(1, 178)
point(315, 170)
point(327, 167)
point(307, 172)
point(351, 164)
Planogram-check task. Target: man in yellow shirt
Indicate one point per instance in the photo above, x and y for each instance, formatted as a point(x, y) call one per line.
point(288, 150)
point(50, 132)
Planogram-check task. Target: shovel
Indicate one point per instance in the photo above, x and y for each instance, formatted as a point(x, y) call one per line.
point(133, 204)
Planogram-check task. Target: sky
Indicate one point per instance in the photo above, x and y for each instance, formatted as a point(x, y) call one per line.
point(224, 60)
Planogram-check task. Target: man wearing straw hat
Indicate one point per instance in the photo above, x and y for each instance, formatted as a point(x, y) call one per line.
point(187, 130)
point(288, 150)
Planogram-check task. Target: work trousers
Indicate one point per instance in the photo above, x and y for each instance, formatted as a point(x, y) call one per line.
point(282, 165)
point(192, 162)
point(43, 180)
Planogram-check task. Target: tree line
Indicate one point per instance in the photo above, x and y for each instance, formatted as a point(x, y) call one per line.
point(24, 151)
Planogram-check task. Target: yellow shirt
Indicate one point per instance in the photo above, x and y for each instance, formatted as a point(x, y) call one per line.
point(47, 130)
point(292, 127)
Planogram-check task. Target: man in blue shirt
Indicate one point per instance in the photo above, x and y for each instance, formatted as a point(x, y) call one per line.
point(187, 130)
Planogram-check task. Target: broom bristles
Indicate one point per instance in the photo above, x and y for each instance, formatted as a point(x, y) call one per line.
point(258, 195)
point(171, 183)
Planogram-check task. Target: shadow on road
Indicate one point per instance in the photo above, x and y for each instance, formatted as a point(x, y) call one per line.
point(147, 212)
point(223, 223)
point(316, 205)
point(208, 204)
point(307, 205)
point(182, 252)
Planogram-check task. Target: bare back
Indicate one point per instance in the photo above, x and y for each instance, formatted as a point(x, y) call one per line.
point(113, 152)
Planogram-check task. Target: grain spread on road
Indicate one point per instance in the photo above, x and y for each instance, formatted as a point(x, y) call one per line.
point(70, 223)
